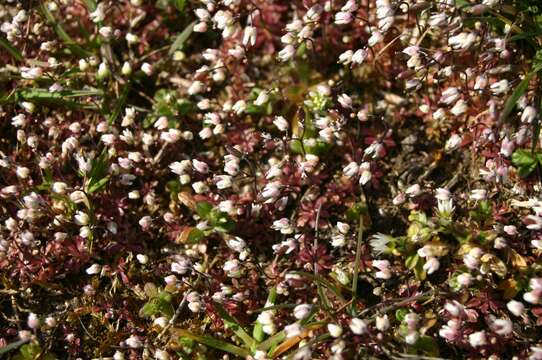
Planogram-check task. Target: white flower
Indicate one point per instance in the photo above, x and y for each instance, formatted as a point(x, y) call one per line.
point(343, 227)
point(477, 339)
point(382, 323)
point(359, 56)
point(81, 218)
point(442, 194)
point(351, 169)
point(454, 308)
point(223, 181)
point(249, 36)
point(515, 307)
point(358, 326)
point(464, 279)
point(500, 87)
point(239, 107)
point(459, 108)
point(292, 330)
point(501, 327)
point(346, 57)
point(263, 97)
point(431, 265)
point(334, 330)
point(200, 187)
point(462, 41)
point(453, 142)
point(98, 15)
point(33, 321)
point(345, 101)
point(450, 95)
point(343, 17)
point(200, 166)
point(283, 225)
point(287, 53)
point(134, 342)
point(196, 87)
point(147, 69)
point(413, 190)
point(94, 269)
point(528, 114)
point(379, 243)
point(302, 311)
point(281, 123)
point(533, 222)
point(478, 194)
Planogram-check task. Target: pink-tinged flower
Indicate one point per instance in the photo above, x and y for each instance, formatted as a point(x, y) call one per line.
point(533, 222)
point(302, 311)
point(33, 321)
point(477, 339)
point(413, 190)
point(134, 342)
point(292, 330)
point(528, 114)
point(343, 17)
point(384, 267)
point(287, 53)
point(283, 225)
point(200, 166)
point(454, 308)
point(351, 169)
point(501, 327)
point(478, 194)
point(450, 331)
point(450, 95)
point(345, 101)
point(507, 147)
point(359, 56)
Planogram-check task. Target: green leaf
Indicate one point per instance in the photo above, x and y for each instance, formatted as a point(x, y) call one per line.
point(518, 92)
point(97, 185)
point(411, 261)
point(427, 345)
point(215, 343)
point(12, 50)
point(179, 4)
point(522, 158)
point(204, 208)
point(178, 44)
point(401, 313)
point(195, 236)
point(231, 322)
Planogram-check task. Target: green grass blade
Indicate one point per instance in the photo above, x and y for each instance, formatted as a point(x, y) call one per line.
point(233, 324)
point(181, 38)
point(513, 99)
point(119, 105)
point(62, 34)
point(12, 346)
point(322, 281)
point(214, 343)
point(12, 50)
